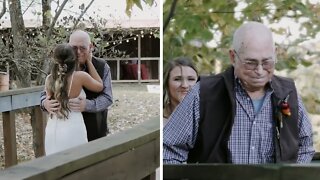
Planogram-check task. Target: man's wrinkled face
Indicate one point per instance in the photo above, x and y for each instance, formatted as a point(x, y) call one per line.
point(254, 64)
point(81, 47)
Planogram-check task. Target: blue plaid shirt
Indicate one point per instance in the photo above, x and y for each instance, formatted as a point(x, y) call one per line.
point(251, 136)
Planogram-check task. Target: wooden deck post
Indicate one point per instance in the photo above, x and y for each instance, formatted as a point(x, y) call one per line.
point(139, 59)
point(38, 126)
point(9, 138)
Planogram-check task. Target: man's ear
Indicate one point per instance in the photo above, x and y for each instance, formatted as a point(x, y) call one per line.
point(91, 47)
point(231, 56)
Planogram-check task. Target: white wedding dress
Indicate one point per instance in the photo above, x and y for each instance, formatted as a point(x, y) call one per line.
point(62, 134)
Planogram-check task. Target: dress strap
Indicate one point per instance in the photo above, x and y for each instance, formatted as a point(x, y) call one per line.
point(70, 83)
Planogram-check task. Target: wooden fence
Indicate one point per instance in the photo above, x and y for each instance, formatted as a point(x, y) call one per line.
point(13, 100)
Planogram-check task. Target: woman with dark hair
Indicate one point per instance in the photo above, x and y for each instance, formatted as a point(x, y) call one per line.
point(62, 84)
point(179, 76)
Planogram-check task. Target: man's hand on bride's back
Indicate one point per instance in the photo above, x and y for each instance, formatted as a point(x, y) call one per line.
point(77, 104)
point(51, 105)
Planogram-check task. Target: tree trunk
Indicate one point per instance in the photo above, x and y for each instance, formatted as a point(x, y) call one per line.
point(46, 23)
point(21, 67)
point(45, 64)
point(170, 16)
point(4, 8)
point(46, 14)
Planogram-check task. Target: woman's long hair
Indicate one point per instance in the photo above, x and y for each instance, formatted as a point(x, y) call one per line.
point(179, 61)
point(63, 66)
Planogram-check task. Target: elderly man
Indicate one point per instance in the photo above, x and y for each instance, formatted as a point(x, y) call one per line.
point(245, 115)
point(95, 107)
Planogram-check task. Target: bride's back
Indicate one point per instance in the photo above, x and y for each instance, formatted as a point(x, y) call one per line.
point(62, 72)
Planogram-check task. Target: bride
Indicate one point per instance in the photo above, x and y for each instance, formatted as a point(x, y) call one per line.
point(66, 128)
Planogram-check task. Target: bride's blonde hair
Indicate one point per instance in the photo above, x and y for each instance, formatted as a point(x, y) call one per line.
point(63, 66)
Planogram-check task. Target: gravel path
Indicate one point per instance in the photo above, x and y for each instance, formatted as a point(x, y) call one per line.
point(132, 105)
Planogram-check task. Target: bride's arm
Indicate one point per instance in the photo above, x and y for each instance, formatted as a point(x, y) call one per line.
point(92, 71)
point(89, 82)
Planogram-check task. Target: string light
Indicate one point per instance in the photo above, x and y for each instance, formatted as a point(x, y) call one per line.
point(122, 37)
point(116, 36)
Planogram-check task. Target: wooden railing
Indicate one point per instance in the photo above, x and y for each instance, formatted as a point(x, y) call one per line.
point(131, 154)
point(247, 172)
point(13, 100)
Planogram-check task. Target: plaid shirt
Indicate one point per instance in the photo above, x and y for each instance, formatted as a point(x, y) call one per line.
point(104, 100)
point(251, 136)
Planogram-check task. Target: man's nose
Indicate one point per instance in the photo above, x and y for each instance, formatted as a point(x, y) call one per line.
point(259, 68)
point(78, 51)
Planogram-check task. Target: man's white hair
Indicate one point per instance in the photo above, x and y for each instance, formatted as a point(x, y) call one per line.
point(250, 31)
point(80, 34)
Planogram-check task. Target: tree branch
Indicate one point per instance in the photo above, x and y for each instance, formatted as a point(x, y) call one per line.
point(49, 32)
point(3, 11)
point(28, 7)
point(170, 16)
point(81, 15)
point(46, 14)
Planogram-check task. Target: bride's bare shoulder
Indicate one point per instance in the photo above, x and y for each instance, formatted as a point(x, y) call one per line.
point(80, 74)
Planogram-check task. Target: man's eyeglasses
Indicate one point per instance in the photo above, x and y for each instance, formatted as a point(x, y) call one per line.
point(253, 64)
point(81, 48)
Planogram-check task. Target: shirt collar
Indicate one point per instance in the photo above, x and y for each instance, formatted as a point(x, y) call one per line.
point(239, 86)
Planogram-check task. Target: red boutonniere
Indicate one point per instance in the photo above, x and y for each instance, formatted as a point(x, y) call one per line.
point(284, 108)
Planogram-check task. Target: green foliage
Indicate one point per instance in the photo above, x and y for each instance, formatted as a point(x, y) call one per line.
point(204, 21)
point(131, 3)
point(215, 21)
